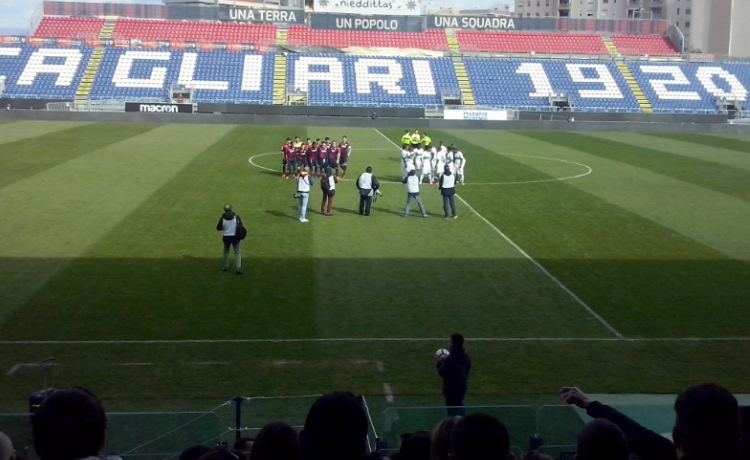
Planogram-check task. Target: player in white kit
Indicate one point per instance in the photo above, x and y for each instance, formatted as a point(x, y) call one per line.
point(439, 161)
point(459, 162)
point(407, 161)
point(449, 159)
point(417, 152)
point(426, 165)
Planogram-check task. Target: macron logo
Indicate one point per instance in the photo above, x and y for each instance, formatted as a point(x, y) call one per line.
point(159, 108)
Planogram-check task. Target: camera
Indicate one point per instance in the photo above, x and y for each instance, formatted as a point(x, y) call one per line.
point(296, 196)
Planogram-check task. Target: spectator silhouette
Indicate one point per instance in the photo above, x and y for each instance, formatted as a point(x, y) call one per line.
point(602, 440)
point(335, 429)
point(70, 424)
point(707, 425)
point(440, 444)
point(276, 441)
point(415, 446)
point(194, 453)
point(480, 437)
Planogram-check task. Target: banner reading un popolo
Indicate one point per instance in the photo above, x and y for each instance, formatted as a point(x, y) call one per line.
point(370, 7)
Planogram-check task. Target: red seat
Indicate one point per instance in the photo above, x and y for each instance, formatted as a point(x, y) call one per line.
point(637, 45)
point(432, 40)
point(524, 42)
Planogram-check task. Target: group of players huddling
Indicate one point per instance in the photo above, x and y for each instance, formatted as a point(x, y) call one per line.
point(314, 156)
point(420, 155)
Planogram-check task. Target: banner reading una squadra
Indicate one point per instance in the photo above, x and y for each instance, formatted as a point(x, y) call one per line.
point(370, 7)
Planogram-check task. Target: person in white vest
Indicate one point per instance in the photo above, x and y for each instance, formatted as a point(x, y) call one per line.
point(231, 227)
point(448, 191)
point(368, 186)
point(459, 161)
point(328, 185)
point(412, 193)
point(304, 185)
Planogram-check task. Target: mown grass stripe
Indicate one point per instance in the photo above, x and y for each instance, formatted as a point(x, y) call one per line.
point(738, 144)
point(25, 158)
point(631, 270)
point(703, 173)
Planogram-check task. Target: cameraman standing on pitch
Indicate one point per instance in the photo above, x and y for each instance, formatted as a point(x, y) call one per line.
point(455, 369)
point(233, 232)
point(304, 185)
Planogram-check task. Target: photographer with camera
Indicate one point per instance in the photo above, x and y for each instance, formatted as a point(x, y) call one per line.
point(304, 185)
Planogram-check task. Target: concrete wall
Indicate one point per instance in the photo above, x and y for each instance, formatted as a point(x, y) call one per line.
point(276, 120)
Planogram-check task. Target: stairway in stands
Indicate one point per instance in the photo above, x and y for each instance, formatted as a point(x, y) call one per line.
point(610, 45)
point(640, 96)
point(453, 47)
point(279, 80)
point(87, 81)
point(463, 81)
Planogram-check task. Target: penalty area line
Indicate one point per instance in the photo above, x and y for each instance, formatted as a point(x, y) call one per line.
point(539, 266)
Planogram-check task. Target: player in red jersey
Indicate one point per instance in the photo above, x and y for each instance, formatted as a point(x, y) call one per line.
point(345, 149)
point(291, 161)
point(322, 156)
point(285, 147)
point(301, 159)
point(333, 157)
point(310, 156)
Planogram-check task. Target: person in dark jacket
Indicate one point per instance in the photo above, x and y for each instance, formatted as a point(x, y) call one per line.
point(455, 369)
point(707, 425)
point(230, 225)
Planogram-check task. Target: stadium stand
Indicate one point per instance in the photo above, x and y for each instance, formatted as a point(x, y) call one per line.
point(216, 76)
point(641, 45)
point(69, 27)
point(226, 32)
point(691, 87)
point(430, 40)
point(514, 83)
point(370, 81)
point(34, 72)
point(526, 42)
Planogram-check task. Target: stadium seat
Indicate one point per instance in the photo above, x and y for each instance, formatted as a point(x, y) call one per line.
point(60, 27)
point(527, 84)
point(225, 32)
point(371, 81)
point(220, 76)
point(34, 72)
point(691, 87)
point(641, 45)
point(527, 42)
point(431, 39)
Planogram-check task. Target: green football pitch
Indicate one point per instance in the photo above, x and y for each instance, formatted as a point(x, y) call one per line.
point(617, 262)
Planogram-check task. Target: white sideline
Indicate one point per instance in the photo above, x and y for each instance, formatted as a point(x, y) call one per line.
point(552, 277)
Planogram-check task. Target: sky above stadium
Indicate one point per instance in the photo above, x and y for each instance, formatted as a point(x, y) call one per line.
point(15, 15)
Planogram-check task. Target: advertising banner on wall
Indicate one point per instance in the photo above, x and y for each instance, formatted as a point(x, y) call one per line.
point(370, 7)
point(158, 107)
point(256, 15)
point(357, 22)
point(489, 23)
point(482, 115)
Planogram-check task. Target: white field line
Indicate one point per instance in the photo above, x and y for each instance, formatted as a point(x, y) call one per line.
point(373, 340)
point(388, 393)
point(552, 277)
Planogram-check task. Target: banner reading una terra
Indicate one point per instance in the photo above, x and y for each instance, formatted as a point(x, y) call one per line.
point(370, 7)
